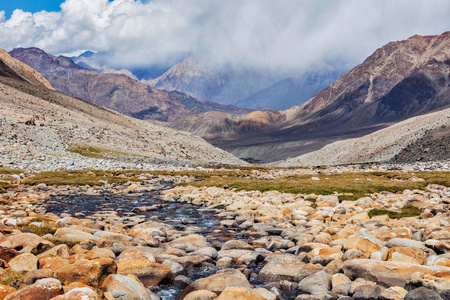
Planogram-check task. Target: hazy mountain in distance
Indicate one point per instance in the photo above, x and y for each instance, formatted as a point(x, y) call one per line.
point(246, 87)
point(107, 62)
point(398, 81)
point(200, 79)
point(291, 91)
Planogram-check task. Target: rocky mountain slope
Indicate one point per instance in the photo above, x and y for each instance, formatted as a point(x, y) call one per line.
point(399, 81)
point(39, 125)
point(115, 91)
point(411, 140)
point(245, 87)
point(433, 146)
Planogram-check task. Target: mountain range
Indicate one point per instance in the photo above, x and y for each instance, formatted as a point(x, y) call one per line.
point(398, 81)
point(115, 91)
point(254, 88)
point(41, 123)
point(385, 102)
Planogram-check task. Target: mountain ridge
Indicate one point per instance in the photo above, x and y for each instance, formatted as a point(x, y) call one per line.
point(42, 123)
point(116, 91)
point(398, 81)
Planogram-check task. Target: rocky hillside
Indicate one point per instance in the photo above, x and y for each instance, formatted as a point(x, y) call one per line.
point(39, 125)
point(115, 91)
point(433, 146)
point(245, 87)
point(415, 139)
point(399, 81)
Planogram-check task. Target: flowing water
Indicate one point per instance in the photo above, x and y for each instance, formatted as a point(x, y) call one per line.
point(180, 215)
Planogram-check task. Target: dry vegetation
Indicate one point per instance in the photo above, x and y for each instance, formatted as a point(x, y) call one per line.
point(407, 211)
point(97, 152)
point(353, 185)
point(38, 230)
point(76, 178)
point(11, 277)
point(357, 184)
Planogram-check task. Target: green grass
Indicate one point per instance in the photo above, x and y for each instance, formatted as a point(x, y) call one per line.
point(358, 184)
point(97, 152)
point(9, 171)
point(203, 174)
point(40, 248)
point(95, 177)
point(76, 178)
point(11, 278)
point(39, 220)
point(38, 230)
point(59, 241)
point(4, 186)
point(407, 211)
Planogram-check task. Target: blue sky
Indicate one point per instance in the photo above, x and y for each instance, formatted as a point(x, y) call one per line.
point(29, 5)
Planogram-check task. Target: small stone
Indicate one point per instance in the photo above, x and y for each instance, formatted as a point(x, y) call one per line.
point(393, 293)
point(422, 293)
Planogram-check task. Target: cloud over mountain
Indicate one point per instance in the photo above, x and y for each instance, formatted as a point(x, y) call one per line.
point(268, 33)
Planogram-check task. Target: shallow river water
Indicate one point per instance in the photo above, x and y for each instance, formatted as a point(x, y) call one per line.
point(180, 215)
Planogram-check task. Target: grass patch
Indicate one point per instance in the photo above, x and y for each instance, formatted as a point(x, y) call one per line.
point(39, 220)
point(358, 184)
point(76, 178)
point(38, 230)
point(40, 248)
point(4, 186)
point(407, 211)
point(203, 174)
point(59, 241)
point(11, 278)
point(97, 152)
point(97, 177)
point(9, 171)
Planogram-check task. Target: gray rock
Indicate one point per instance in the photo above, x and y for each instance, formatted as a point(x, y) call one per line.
point(352, 254)
point(423, 294)
point(316, 283)
point(367, 292)
point(398, 242)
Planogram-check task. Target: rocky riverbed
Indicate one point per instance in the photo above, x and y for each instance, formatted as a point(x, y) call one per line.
point(149, 240)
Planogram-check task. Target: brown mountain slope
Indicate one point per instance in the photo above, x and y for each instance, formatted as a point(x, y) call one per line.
point(115, 91)
point(400, 80)
point(418, 138)
point(16, 69)
point(41, 122)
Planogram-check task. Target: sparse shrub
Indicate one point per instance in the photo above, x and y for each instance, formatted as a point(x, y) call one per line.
point(407, 211)
point(38, 230)
point(59, 241)
point(11, 278)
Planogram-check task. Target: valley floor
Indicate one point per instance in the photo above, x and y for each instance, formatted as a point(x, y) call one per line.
point(348, 232)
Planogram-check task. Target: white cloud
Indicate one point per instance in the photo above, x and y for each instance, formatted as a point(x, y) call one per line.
point(274, 33)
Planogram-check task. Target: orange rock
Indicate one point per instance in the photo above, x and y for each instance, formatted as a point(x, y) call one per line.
point(417, 255)
point(151, 274)
point(24, 262)
point(43, 289)
point(363, 244)
point(239, 293)
point(91, 272)
point(218, 282)
point(5, 290)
